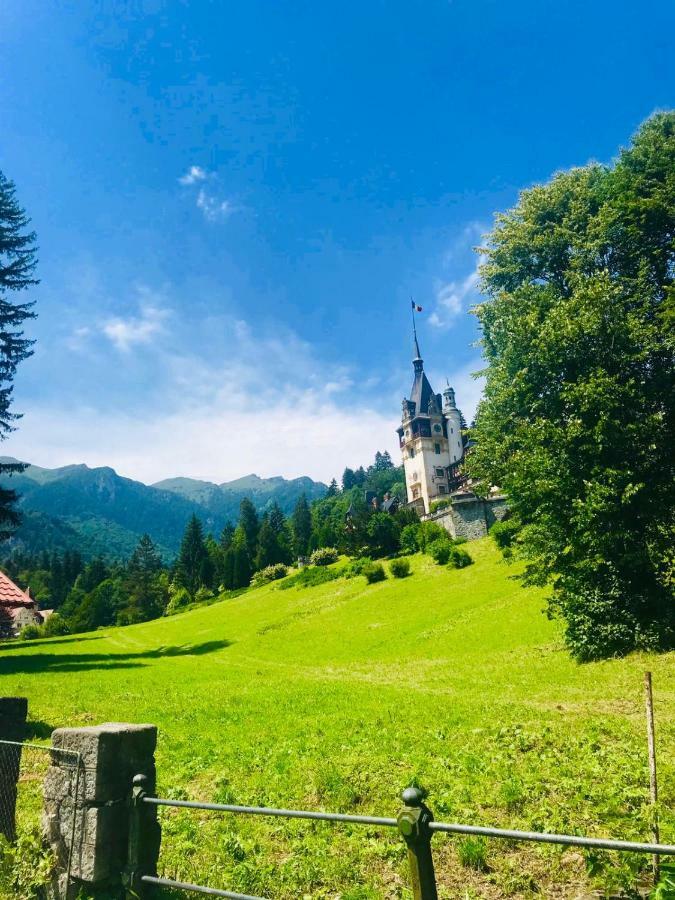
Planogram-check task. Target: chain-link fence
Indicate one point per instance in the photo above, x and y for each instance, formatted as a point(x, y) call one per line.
point(39, 793)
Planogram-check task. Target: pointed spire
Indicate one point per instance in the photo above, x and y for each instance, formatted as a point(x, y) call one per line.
point(417, 361)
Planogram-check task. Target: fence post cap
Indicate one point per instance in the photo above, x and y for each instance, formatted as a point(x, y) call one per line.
point(412, 796)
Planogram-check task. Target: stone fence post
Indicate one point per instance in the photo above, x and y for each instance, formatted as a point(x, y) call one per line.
point(88, 809)
point(13, 713)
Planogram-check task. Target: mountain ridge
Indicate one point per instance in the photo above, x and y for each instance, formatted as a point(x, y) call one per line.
point(99, 512)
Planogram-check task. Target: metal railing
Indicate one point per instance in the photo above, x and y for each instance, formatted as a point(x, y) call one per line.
point(415, 824)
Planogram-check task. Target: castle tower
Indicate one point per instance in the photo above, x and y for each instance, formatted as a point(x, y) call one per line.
point(430, 438)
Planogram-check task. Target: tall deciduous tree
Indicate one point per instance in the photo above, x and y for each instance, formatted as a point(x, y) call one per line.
point(17, 266)
point(577, 423)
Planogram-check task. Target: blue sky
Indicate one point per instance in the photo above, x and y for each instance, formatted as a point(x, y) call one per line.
point(234, 202)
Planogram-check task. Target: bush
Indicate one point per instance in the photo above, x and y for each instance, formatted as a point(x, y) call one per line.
point(310, 577)
point(356, 566)
point(374, 572)
point(439, 504)
point(409, 542)
point(400, 568)
point(269, 573)
point(459, 558)
point(440, 550)
point(324, 556)
point(203, 595)
point(30, 632)
point(428, 532)
point(180, 598)
point(504, 533)
point(55, 626)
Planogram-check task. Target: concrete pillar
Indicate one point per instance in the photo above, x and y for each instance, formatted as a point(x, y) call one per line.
point(88, 806)
point(13, 713)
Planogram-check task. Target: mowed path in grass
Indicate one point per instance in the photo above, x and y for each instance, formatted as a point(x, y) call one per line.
point(338, 696)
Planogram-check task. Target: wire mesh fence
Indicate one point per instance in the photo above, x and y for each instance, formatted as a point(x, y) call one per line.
point(28, 773)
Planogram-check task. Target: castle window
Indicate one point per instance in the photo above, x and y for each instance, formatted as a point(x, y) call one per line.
point(437, 449)
point(452, 431)
point(441, 488)
point(440, 473)
point(411, 453)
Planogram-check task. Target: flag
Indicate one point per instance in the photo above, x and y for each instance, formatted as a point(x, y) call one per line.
point(416, 307)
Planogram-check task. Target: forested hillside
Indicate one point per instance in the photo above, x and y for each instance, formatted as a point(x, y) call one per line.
point(98, 512)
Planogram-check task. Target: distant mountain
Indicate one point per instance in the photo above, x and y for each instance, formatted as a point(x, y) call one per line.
point(98, 511)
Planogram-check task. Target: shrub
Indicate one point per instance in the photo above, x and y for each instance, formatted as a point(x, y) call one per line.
point(374, 572)
point(459, 558)
point(180, 598)
point(428, 532)
point(269, 573)
point(438, 505)
point(440, 549)
point(310, 577)
point(460, 540)
point(203, 595)
point(324, 556)
point(503, 533)
point(356, 566)
point(409, 542)
point(30, 632)
point(400, 568)
point(55, 626)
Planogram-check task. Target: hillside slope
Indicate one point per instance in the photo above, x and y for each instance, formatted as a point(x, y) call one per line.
point(338, 696)
point(97, 511)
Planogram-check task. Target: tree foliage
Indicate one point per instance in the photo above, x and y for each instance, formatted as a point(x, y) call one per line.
point(577, 420)
point(18, 260)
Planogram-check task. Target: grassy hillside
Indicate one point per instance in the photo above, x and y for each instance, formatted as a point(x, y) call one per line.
point(338, 696)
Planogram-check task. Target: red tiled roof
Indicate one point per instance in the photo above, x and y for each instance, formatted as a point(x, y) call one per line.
point(11, 595)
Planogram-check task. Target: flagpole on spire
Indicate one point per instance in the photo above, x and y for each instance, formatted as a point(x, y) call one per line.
point(412, 312)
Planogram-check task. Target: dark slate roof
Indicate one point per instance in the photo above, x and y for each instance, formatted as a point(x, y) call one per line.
point(421, 391)
point(391, 503)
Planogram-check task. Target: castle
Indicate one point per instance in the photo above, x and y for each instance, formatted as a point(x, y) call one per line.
point(431, 441)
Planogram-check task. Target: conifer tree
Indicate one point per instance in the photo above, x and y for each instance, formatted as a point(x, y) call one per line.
point(192, 557)
point(17, 265)
point(302, 526)
point(248, 520)
point(241, 562)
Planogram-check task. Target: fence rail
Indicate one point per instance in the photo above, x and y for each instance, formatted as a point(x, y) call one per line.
point(414, 822)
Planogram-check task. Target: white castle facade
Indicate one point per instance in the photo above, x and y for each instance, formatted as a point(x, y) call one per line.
point(430, 437)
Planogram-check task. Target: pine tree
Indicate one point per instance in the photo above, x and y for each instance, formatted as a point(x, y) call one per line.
point(333, 489)
point(248, 520)
point(17, 264)
point(192, 557)
point(274, 544)
point(146, 597)
point(226, 535)
point(302, 526)
point(241, 561)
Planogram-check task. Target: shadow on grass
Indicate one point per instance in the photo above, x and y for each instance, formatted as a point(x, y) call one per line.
point(81, 662)
point(17, 644)
point(37, 730)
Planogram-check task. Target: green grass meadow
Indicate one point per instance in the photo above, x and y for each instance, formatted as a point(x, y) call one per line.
point(336, 697)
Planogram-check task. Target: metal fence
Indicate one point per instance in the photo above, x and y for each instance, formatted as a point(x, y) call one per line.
point(414, 823)
point(24, 769)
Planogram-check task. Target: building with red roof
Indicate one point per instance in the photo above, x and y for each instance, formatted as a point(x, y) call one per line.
point(17, 608)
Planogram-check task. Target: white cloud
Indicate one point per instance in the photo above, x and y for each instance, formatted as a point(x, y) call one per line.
point(213, 208)
point(193, 175)
point(125, 333)
point(454, 297)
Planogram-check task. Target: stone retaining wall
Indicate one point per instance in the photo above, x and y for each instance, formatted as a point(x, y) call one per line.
point(469, 516)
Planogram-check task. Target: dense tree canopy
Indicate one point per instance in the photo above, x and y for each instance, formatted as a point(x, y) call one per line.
point(577, 420)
